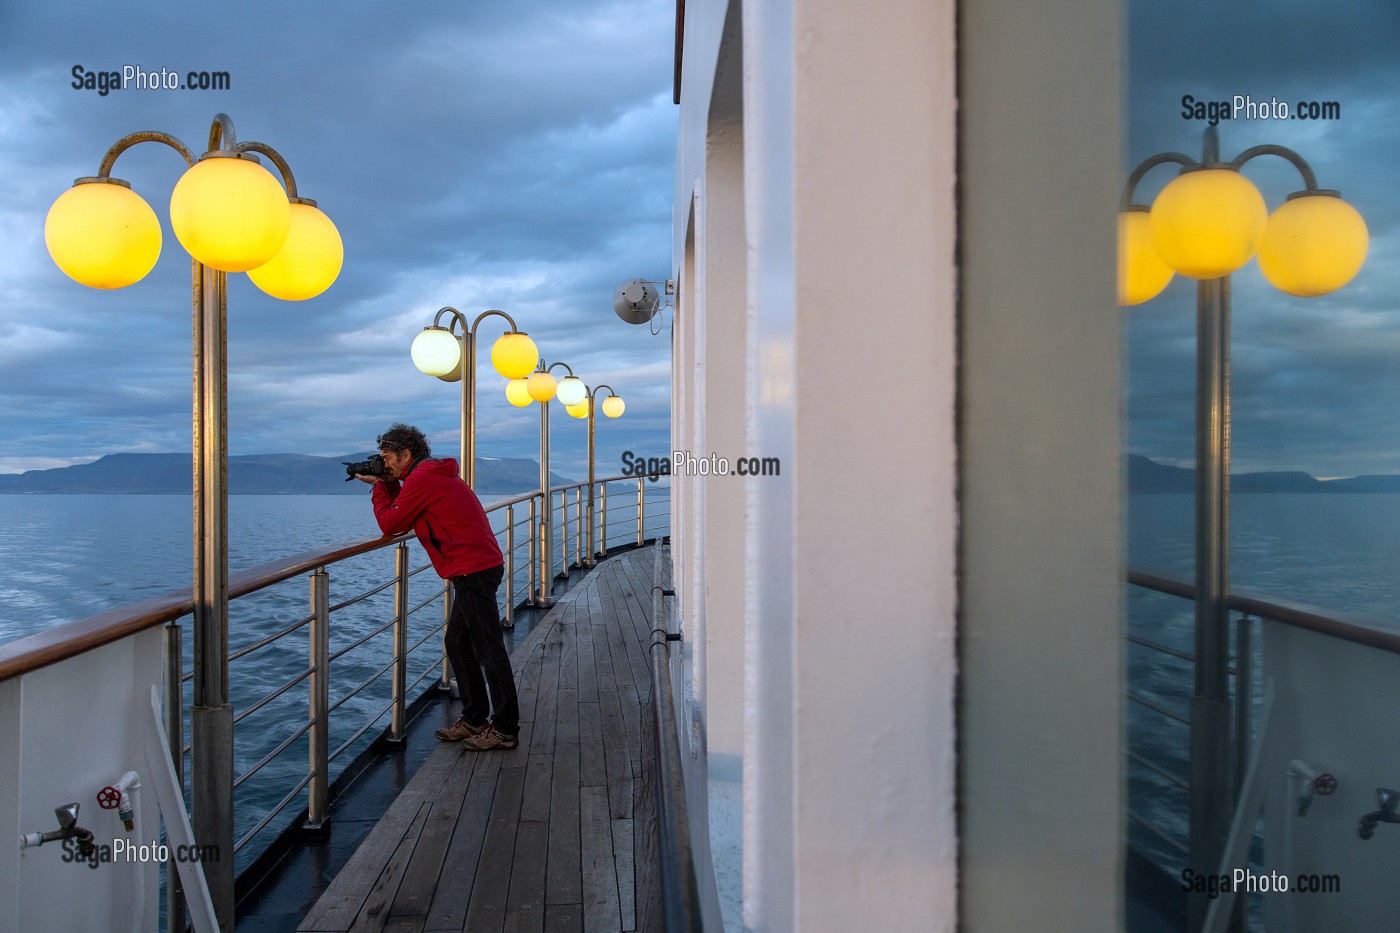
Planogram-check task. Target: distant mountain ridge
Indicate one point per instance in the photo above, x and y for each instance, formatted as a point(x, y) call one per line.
point(249, 474)
point(1149, 476)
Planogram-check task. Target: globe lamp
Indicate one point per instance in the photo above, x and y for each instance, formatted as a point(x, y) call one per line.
point(514, 355)
point(309, 260)
point(102, 234)
point(517, 393)
point(1208, 223)
point(1141, 272)
point(229, 213)
point(578, 410)
point(613, 406)
point(436, 352)
point(542, 386)
point(571, 390)
point(1315, 243)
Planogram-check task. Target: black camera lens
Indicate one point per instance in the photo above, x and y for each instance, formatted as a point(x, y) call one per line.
point(374, 466)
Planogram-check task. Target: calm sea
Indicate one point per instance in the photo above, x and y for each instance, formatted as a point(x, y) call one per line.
point(66, 557)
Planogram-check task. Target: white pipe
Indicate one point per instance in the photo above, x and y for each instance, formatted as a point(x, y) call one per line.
point(129, 787)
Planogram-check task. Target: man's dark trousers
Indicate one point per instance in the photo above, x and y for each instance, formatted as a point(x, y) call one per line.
point(477, 651)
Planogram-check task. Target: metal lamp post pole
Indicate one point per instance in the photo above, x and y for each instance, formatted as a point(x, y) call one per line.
point(591, 558)
point(546, 529)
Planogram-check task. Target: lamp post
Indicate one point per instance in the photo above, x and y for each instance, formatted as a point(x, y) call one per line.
point(1205, 224)
point(231, 216)
point(613, 407)
point(541, 387)
point(438, 351)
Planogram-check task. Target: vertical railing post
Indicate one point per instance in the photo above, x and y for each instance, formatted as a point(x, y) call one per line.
point(579, 557)
point(398, 717)
point(174, 687)
point(510, 566)
point(641, 512)
point(446, 617)
point(564, 536)
point(534, 549)
point(603, 524)
point(319, 743)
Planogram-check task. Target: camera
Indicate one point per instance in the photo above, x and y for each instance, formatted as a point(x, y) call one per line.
point(374, 466)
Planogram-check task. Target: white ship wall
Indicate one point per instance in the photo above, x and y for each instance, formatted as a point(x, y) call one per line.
point(77, 727)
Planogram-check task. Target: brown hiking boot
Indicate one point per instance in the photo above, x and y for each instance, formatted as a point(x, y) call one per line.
point(459, 730)
point(489, 740)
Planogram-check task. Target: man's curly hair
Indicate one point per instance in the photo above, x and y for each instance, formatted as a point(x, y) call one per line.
point(405, 437)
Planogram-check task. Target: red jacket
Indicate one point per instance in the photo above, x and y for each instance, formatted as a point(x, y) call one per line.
point(446, 514)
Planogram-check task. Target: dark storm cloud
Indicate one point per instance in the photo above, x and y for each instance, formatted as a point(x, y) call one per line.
point(1313, 379)
point(482, 156)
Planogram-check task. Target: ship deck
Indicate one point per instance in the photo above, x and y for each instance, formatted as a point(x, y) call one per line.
point(543, 837)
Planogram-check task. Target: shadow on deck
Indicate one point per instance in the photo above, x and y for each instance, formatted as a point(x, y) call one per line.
point(557, 834)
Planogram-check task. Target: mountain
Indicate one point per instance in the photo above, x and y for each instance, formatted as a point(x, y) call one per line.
point(258, 474)
point(1149, 476)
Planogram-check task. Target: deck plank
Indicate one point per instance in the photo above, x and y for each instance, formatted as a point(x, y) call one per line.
point(487, 908)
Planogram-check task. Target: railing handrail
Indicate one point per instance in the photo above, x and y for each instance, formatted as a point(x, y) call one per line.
point(32, 652)
point(1345, 626)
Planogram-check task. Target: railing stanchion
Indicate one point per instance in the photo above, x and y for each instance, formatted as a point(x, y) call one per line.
point(510, 566)
point(319, 736)
point(641, 512)
point(603, 525)
point(564, 536)
point(579, 557)
point(174, 688)
point(534, 549)
point(446, 616)
point(399, 721)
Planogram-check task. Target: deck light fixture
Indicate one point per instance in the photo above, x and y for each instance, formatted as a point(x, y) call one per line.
point(542, 386)
point(571, 390)
point(578, 409)
point(612, 407)
point(1206, 224)
point(517, 393)
point(231, 215)
point(440, 351)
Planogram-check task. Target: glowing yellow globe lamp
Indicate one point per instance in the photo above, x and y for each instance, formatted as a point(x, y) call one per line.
point(229, 212)
point(1141, 272)
point(514, 355)
point(102, 234)
point(1315, 244)
point(613, 406)
point(571, 390)
point(436, 352)
point(542, 386)
point(1207, 223)
point(578, 410)
point(517, 393)
point(309, 260)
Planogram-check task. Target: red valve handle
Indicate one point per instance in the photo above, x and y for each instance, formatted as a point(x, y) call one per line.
point(1325, 784)
point(109, 798)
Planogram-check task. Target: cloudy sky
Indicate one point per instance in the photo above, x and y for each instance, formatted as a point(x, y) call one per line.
point(480, 155)
point(1316, 380)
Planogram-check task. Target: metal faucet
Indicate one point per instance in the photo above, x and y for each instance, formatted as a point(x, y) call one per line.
point(1388, 799)
point(68, 828)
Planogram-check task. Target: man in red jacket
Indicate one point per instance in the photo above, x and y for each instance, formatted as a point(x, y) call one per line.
point(427, 496)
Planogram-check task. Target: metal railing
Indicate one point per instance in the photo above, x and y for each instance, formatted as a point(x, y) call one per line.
point(1245, 610)
point(72, 639)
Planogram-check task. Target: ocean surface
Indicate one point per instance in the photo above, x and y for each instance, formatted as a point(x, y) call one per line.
point(67, 557)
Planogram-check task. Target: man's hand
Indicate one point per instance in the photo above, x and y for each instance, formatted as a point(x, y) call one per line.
point(366, 478)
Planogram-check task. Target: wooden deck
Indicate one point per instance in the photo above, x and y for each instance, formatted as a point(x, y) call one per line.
point(553, 835)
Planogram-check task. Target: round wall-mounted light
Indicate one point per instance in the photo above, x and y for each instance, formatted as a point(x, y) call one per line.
point(1315, 243)
point(517, 393)
point(309, 260)
point(102, 234)
point(436, 352)
point(542, 386)
point(514, 355)
point(229, 213)
point(1141, 272)
point(613, 406)
point(571, 390)
point(578, 409)
point(1208, 222)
